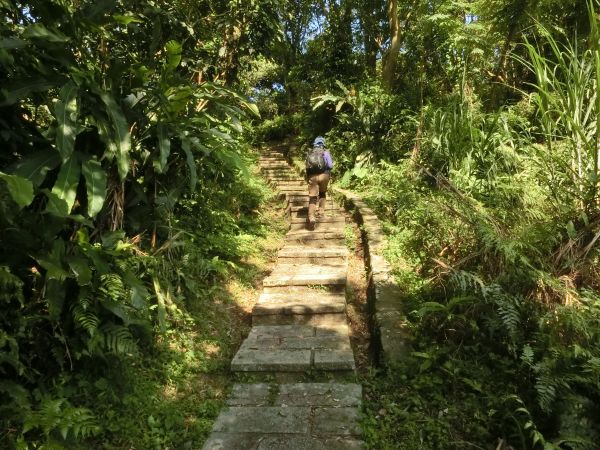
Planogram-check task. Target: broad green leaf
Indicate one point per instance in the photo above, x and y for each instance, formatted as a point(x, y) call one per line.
point(121, 136)
point(191, 162)
point(95, 182)
point(35, 167)
point(56, 205)
point(20, 189)
point(80, 268)
point(66, 184)
point(139, 293)
point(126, 19)
point(160, 300)
point(66, 116)
point(164, 145)
point(253, 108)
point(173, 49)
point(39, 31)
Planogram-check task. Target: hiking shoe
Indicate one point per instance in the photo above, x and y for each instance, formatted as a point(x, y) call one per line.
point(311, 224)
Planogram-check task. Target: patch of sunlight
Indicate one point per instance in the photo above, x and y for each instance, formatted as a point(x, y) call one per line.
point(170, 392)
point(210, 348)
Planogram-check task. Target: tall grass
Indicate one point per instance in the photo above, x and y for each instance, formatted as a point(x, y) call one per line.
point(567, 73)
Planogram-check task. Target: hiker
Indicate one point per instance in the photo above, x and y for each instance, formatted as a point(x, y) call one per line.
point(318, 167)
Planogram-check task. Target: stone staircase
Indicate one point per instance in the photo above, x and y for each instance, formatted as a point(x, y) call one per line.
point(299, 327)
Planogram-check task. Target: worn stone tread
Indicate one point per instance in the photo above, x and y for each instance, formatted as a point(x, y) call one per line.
point(294, 251)
point(276, 441)
point(321, 219)
point(317, 303)
point(306, 274)
point(264, 419)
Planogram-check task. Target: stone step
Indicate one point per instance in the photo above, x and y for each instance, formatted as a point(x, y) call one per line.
point(295, 348)
point(292, 416)
point(293, 251)
point(307, 235)
point(295, 207)
point(293, 183)
point(320, 226)
point(314, 320)
point(285, 179)
point(313, 302)
point(321, 219)
point(302, 290)
point(306, 274)
point(313, 260)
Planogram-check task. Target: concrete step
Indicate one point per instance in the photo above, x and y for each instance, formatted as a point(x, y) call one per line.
point(311, 302)
point(307, 235)
point(293, 416)
point(295, 348)
point(295, 251)
point(303, 205)
point(321, 219)
point(306, 274)
point(320, 226)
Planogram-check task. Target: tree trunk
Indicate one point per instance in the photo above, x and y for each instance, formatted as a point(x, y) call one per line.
point(389, 64)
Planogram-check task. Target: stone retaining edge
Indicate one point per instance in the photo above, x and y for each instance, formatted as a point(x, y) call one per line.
point(390, 335)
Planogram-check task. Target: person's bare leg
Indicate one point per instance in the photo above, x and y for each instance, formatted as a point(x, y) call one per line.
point(313, 198)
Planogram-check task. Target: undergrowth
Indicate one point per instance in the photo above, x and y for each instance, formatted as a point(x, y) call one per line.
point(505, 350)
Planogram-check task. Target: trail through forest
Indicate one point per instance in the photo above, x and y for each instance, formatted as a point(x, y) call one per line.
point(299, 326)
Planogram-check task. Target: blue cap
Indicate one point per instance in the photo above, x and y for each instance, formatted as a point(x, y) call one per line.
point(319, 141)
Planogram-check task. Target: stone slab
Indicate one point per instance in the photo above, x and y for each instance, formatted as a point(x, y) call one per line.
point(338, 359)
point(322, 343)
point(296, 251)
point(263, 360)
point(256, 441)
point(320, 226)
point(306, 274)
point(249, 394)
point(318, 303)
point(317, 235)
point(281, 331)
point(263, 419)
point(323, 219)
point(336, 421)
point(320, 394)
point(323, 323)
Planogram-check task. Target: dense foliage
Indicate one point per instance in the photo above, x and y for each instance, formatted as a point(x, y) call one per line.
point(124, 195)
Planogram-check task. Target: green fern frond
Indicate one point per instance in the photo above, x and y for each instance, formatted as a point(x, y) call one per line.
point(118, 339)
point(86, 319)
point(111, 285)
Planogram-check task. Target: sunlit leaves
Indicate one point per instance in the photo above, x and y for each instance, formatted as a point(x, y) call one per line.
point(95, 181)
point(66, 116)
point(20, 189)
point(66, 184)
point(119, 132)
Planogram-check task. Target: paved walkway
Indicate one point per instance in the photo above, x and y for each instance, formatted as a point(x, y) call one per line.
point(299, 327)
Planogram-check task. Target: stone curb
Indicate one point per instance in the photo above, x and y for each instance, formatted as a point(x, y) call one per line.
point(390, 335)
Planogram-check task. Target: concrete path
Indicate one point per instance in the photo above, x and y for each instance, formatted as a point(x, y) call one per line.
point(299, 330)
